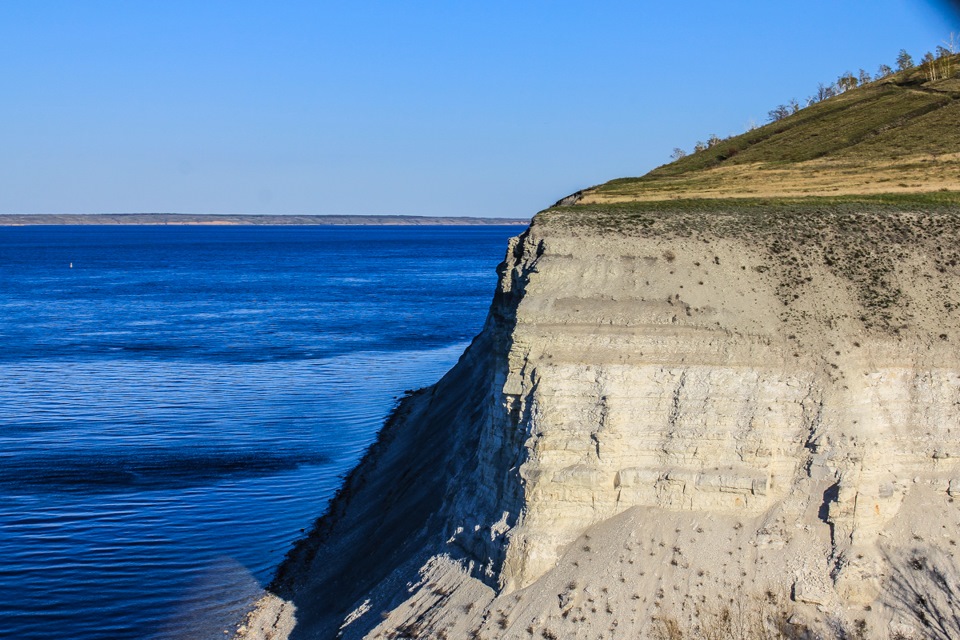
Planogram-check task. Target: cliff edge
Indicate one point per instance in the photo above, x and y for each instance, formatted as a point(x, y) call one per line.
point(705, 418)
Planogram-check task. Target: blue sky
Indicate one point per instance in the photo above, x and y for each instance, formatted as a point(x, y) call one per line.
point(433, 108)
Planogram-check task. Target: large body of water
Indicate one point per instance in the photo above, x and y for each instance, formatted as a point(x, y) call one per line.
point(178, 403)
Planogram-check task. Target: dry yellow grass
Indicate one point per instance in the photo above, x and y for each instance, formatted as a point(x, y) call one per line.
point(915, 174)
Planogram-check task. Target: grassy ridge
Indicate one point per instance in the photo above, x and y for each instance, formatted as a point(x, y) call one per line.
point(882, 115)
point(900, 134)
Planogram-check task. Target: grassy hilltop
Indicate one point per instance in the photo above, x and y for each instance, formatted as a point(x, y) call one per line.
point(899, 135)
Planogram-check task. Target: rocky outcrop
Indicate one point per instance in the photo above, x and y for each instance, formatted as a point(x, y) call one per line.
point(673, 422)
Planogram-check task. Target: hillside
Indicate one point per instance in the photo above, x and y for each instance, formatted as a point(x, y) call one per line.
point(897, 135)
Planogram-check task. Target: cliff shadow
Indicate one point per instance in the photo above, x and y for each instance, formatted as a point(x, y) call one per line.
point(924, 586)
point(433, 483)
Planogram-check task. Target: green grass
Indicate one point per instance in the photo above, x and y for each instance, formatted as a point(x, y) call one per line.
point(814, 132)
point(929, 133)
point(900, 116)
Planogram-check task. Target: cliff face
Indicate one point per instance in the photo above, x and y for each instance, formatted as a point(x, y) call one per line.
point(673, 422)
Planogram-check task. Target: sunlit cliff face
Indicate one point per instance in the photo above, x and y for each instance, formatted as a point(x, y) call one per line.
point(659, 416)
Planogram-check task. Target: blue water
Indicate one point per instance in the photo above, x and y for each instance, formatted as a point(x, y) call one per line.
point(179, 405)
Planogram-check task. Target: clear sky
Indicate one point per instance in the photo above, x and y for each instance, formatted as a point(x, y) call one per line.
point(433, 108)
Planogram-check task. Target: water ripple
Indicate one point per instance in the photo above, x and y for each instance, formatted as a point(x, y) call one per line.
point(178, 407)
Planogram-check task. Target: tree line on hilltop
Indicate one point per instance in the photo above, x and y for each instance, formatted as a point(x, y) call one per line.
point(935, 66)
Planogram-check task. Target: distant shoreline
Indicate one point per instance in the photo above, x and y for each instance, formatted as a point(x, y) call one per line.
point(37, 219)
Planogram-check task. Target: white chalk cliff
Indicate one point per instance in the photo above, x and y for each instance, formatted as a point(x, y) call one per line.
point(674, 423)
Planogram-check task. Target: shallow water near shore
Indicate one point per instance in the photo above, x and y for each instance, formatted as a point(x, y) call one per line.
point(178, 403)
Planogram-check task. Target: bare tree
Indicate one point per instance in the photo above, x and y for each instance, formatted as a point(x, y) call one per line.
point(823, 92)
point(779, 112)
point(678, 153)
point(904, 60)
point(794, 105)
point(945, 56)
point(713, 140)
point(864, 77)
point(700, 146)
point(953, 44)
point(925, 586)
point(929, 66)
point(883, 71)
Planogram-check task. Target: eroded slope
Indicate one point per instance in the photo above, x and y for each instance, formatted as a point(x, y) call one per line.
point(675, 419)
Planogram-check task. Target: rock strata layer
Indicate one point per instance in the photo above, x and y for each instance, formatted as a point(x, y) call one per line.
point(680, 423)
